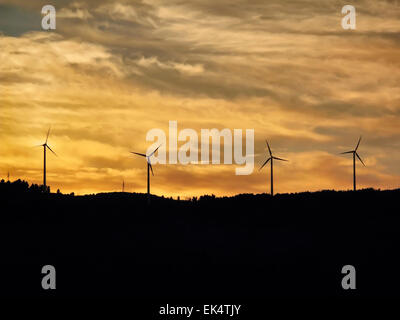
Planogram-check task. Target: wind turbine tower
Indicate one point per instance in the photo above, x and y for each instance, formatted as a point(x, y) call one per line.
point(271, 158)
point(149, 167)
point(355, 154)
point(45, 147)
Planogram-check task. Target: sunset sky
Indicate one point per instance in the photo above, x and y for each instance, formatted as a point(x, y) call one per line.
point(113, 70)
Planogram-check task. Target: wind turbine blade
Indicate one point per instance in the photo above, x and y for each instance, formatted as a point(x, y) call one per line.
point(280, 159)
point(269, 149)
point(360, 159)
point(51, 150)
point(48, 133)
point(346, 152)
point(359, 140)
point(151, 168)
point(154, 151)
point(139, 154)
point(264, 164)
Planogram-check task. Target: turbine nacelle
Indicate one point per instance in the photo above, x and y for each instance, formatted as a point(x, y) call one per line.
point(354, 152)
point(45, 145)
point(272, 157)
point(148, 157)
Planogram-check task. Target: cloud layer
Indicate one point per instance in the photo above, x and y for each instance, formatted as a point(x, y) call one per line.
point(114, 70)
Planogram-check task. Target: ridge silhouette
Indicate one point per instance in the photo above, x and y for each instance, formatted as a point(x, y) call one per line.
point(248, 246)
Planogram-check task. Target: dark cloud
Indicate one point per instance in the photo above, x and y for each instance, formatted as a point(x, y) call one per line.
point(15, 21)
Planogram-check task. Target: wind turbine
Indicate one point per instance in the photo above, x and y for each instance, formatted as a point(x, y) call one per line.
point(149, 167)
point(271, 158)
point(355, 154)
point(45, 145)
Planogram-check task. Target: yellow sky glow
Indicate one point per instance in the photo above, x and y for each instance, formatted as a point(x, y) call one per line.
point(112, 71)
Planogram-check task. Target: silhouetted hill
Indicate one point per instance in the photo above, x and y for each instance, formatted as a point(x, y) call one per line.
point(242, 247)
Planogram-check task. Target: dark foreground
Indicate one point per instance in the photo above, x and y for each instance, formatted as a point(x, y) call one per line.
point(246, 247)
